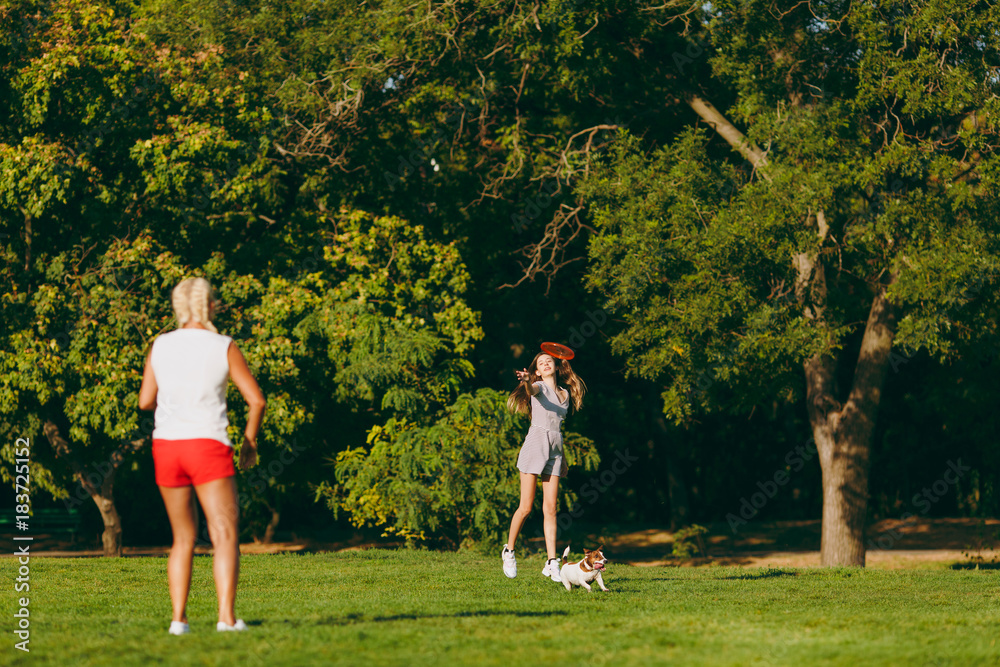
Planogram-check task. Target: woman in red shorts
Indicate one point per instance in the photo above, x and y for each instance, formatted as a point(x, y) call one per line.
point(185, 381)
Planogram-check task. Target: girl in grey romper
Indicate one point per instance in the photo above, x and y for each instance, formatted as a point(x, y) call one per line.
point(542, 451)
point(541, 457)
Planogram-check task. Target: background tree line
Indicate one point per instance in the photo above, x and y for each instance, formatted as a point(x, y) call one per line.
point(762, 225)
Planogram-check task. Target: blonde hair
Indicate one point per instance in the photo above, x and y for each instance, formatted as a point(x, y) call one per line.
point(519, 401)
point(191, 299)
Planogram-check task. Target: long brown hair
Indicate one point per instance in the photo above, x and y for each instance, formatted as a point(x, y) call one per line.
point(519, 400)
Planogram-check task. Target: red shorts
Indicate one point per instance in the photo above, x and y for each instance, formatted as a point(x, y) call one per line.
point(191, 462)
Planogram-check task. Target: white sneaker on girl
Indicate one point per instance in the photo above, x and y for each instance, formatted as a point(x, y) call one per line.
point(237, 626)
point(179, 628)
point(509, 562)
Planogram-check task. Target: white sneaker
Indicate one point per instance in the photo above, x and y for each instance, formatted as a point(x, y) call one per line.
point(179, 628)
point(236, 627)
point(509, 562)
point(552, 570)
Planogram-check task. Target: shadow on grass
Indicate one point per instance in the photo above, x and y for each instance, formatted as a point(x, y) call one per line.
point(975, 566)
point(766, 574)
point(351, 619)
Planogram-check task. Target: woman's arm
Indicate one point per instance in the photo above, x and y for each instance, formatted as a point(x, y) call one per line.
point(147, 392)
point(523, 376)
point(244, 381)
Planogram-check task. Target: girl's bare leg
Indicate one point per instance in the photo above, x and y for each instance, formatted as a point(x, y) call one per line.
point(524, 509)
point(219, 502)
point(550, 495)
point(179, 502)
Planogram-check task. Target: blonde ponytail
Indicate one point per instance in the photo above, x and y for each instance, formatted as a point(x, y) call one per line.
point(191, 299)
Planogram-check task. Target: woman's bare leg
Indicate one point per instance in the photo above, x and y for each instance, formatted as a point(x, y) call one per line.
point(550, 496)
point(219, 502)
point(524, 509)
point(179, 502)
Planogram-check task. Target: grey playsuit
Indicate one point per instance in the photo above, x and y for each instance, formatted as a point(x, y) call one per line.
point(542, 451)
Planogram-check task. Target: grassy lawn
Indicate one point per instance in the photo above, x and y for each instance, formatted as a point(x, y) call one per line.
point(382, 607)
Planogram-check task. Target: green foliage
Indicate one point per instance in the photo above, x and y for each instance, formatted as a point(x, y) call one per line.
point(394, 313)
point(696, 252)
point(699, 271)
point(79, 361)
point(77, 358)
point(452, 481)
point(285, 151)
point(687, 540)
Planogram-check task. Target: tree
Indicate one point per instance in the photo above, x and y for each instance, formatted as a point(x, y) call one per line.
point(374, 327)
point(447, 480)
point(70, 373)
point(69, 117)
point(867, 222)
point(105, 208)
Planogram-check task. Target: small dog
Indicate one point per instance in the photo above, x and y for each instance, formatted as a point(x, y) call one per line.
point(585, 571)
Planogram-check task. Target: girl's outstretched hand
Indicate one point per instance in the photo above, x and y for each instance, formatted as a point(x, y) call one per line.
point(522, 375)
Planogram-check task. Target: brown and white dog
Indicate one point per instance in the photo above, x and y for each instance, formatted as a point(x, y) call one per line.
point(585, 571)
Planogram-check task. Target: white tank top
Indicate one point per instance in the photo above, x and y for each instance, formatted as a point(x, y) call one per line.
point(191, 367)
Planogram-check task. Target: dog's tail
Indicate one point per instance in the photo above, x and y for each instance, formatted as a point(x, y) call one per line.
point(565, 557)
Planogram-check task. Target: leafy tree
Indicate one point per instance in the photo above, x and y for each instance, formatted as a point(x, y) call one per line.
point(376, 327)
point(388, 329)
point(83, 280)
point(449, 481)
point(70, 369)
point(867, 222)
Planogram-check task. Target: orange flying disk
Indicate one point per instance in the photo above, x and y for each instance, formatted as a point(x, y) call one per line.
point(558, 351)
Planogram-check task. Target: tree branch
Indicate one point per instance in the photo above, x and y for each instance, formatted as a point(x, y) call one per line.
point(63, 450)
point(750, 151)
point(870, 371)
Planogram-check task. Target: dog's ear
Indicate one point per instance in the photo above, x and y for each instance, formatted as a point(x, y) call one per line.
point(600, 548)
point(586, 551)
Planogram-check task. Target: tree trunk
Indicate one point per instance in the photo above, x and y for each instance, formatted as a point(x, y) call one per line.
point(273, 525)
point(843, 436)
point(112, 536)
point(98, 480)
point(845, 501)
point(842, 433)
point(714, 118)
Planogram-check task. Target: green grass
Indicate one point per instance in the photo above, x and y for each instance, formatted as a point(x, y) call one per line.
point(384, 607)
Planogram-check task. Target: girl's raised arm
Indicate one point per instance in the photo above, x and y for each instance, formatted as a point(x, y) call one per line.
point(523, 376)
